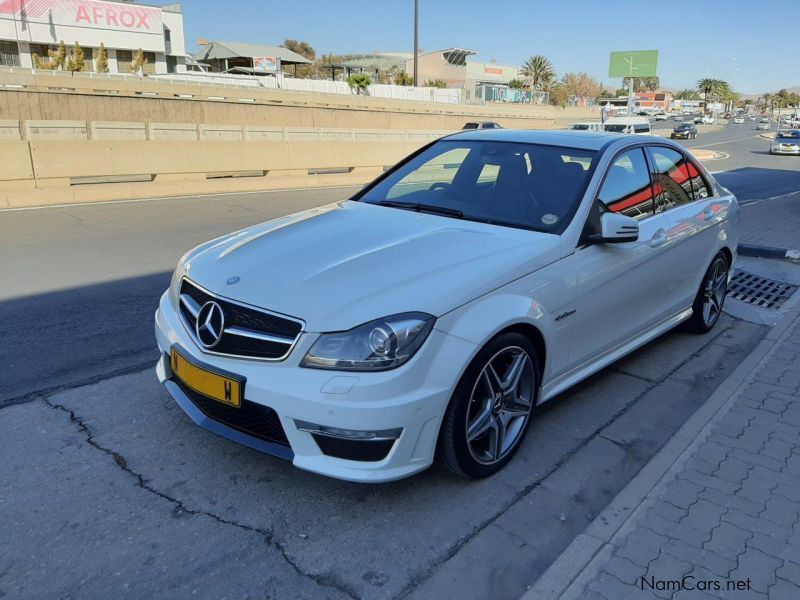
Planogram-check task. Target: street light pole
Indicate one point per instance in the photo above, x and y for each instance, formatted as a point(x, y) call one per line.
point(416, 42)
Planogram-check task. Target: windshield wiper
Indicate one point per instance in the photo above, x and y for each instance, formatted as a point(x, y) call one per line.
point(419, 207)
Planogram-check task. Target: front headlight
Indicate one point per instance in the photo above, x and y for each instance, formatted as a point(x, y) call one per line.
point(175, 283)
point(375, 346)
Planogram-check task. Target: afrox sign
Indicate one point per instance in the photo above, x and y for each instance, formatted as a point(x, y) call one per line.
point(93, 14)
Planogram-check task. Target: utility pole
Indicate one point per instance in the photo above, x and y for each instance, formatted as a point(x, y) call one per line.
point(416, 42)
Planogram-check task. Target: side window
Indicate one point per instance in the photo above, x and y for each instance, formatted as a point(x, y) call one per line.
point(627, 188)
point(671, 179)
point(700, 187)
point(641, 128)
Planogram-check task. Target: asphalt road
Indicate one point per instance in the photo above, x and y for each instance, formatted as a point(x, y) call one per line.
point(111, 490)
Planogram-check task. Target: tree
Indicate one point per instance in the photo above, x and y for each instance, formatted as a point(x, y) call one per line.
point(539, 70)
point(359, 82)
point(516, 84)
point(403, 78)
point(436, 83)
point(642, 84)
point(303, 49)
point(139, 61)
point(102, 59)
point(581, 84)
point(77, 59)
point(55, 58)
point(687, 95)
point(713, 88)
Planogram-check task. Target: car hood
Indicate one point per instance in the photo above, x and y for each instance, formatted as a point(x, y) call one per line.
point(343, 264)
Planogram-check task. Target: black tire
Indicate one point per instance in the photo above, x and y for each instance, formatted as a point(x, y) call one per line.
point(672, 136)
point(453, 451)
point(700, 321)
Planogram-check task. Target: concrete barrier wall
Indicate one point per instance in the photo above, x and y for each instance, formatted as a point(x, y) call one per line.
point(24, 96)
point(68, 161)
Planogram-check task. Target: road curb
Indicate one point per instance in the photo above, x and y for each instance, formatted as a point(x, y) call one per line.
point(758, 251)
point(580, 562)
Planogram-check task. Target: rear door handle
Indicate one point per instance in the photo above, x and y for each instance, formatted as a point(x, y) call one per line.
point(659, 238)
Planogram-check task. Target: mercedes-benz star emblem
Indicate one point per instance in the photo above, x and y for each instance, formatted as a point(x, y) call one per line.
point(210, 324)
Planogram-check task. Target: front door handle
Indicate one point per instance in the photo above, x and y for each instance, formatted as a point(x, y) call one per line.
point(708, 213)
point(659, 238)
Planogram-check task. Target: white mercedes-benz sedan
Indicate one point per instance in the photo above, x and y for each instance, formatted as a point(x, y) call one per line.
point(427, 317)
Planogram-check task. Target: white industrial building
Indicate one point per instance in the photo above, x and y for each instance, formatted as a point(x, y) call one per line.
point(29, 27)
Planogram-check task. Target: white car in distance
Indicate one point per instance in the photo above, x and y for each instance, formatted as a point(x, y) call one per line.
point(428, 317)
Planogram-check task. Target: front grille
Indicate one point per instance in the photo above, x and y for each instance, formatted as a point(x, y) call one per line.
point(253, 419)
point(247, 319)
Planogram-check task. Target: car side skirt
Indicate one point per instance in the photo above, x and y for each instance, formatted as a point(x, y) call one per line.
point(581, 372)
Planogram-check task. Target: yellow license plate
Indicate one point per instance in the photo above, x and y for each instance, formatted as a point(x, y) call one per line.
point(223, 388)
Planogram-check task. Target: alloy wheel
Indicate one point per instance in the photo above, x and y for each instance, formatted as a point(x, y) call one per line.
point(500, 405)
point(714, 291)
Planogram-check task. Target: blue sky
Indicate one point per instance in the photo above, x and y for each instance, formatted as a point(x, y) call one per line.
point(695, 39)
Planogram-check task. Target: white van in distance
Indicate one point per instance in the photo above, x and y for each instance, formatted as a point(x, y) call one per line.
point(636, 125)
point(587, 126)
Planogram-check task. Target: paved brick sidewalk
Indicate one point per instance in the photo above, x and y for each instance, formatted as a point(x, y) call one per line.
point(730, 515)
point(772, 222)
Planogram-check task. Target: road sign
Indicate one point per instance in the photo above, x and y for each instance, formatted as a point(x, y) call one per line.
point(633, 63)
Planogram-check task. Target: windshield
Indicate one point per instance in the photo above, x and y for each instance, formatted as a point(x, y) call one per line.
point(789, 135)
point(504, 183)
point(580, 127)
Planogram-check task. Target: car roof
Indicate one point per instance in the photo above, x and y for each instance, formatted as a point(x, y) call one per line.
point(584, 140)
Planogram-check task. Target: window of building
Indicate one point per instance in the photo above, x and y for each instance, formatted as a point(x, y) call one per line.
point(172, 64)
point(125, 61)
point(671, 178)
point(9, 54)
point(627, 188)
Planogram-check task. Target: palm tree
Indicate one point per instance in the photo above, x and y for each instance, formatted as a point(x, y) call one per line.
point(539, 70)
point(713, 87)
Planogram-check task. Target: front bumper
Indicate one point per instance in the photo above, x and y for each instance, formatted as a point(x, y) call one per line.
point(411, 398)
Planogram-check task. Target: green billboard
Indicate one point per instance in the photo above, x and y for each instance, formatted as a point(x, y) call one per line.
point(633, 63)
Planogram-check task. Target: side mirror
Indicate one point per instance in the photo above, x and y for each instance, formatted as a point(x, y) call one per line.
point(615, 229)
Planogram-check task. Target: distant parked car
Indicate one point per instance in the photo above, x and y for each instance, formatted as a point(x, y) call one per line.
point(661, 116)
point(685, 131)
point(764, 124)
point(739, 119)
point(678, 118)
point(481, 125)
point(786, 142)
